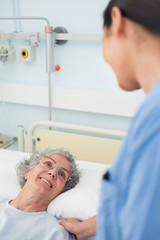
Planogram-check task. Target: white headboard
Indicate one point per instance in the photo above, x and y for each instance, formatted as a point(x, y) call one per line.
point(84, 148)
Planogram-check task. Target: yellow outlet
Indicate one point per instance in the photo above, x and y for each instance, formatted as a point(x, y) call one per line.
point(24, 53)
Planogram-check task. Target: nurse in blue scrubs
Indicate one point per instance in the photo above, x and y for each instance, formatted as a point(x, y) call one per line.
point(130, 196)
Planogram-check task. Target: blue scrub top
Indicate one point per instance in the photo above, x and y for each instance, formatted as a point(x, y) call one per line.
point(130, 197)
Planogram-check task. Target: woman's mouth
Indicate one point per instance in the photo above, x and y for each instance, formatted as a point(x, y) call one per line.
point(47, 182)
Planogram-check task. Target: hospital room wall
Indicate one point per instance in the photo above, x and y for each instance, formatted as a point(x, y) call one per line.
point(81, 62)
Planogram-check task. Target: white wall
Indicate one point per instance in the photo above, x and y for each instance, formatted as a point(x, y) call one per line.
point(82, 68)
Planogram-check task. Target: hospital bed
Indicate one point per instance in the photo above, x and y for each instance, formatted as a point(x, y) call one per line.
point(94, 150)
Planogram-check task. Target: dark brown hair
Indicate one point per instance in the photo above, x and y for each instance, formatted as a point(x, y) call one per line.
point(143, 12)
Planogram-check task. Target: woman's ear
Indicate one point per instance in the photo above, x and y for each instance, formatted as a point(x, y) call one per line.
point(118, 22)
point(26, 175)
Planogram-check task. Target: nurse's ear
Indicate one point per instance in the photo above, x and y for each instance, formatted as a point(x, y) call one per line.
point(118, 21)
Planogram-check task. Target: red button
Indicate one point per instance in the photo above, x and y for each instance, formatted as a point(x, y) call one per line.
point(57, 67)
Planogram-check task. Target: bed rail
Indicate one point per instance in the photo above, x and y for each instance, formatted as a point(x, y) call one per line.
point(65, 126)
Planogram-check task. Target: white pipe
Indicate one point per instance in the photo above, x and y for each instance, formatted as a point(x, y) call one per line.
point(78, 128)
point(19, 14)
point(49, 96)
point(79, 37)
point(25, 142)
point(58, 36)
point(49, 49)
point(50, 67)
point(26, 18)
point(20, 138)
point(16, 12)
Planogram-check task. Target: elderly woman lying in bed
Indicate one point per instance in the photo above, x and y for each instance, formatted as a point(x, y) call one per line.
point(42, 177)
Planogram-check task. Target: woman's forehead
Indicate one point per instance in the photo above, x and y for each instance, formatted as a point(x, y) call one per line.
point(60, 160)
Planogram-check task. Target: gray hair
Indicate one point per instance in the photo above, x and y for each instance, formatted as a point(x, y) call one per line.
point(28, 163)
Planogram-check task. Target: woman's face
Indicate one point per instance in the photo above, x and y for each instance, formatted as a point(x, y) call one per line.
point(45, 182)
point(118, 51)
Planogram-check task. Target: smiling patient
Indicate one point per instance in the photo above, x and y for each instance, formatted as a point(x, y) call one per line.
point(42, 177)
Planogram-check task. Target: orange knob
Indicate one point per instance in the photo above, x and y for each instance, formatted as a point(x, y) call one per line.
point(57, 67)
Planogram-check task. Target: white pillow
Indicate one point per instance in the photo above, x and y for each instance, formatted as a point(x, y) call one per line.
point(80, 202)
point(9, 186)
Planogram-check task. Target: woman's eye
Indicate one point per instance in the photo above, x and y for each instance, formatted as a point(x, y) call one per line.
point(62, 174)
point(48, 164)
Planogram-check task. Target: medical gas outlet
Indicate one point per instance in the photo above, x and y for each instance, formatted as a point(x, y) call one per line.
point(7, 53)
point(27, 53)
point(24, 53)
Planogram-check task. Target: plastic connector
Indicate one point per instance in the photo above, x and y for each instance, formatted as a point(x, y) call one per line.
point(7, 53)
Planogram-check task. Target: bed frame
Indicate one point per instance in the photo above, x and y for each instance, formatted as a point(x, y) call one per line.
point(85, 143)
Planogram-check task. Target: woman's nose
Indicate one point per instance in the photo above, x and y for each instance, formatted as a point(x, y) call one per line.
point(53, 172)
